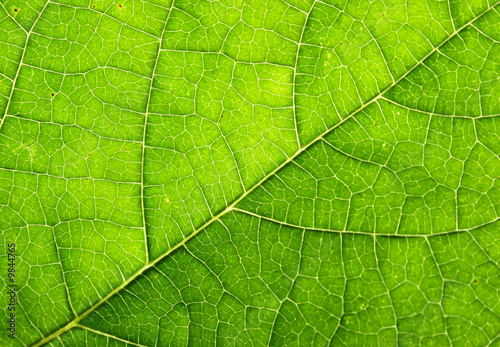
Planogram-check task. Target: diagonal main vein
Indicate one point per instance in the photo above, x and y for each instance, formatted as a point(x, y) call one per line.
point(153, 262)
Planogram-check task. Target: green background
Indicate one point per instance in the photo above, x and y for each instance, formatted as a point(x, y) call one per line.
point(251, 172)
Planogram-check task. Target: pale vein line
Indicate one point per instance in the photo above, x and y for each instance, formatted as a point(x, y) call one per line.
point(431, 113)
point(294, 86)
point(441, 306)
point(485, 252)
point(86, 71)
point(105, 14)
point(143, 154)
point(294, 283)
point(110, 336)
point(63, 273)
point(389, 292)
point(21, 63)
point(367, 233)
point(485, 35)
point(344, 289)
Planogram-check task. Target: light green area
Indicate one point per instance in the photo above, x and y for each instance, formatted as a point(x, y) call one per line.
point(283, 173)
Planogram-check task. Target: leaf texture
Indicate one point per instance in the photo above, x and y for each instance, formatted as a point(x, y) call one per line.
point(251, 173)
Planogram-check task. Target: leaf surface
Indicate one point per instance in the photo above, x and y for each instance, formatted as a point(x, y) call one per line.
point(251, 173)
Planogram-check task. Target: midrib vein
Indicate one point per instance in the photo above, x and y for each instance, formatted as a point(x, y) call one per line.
point(152, 263)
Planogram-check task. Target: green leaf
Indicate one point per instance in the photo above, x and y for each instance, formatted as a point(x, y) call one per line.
point(193, 172)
